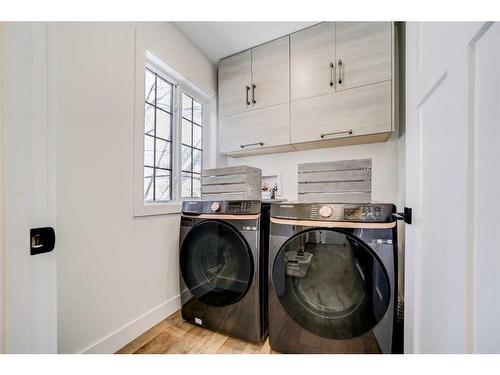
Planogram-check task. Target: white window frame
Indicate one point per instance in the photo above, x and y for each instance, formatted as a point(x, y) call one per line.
point(148, 59)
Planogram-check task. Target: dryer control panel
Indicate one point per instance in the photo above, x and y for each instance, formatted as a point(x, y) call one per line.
point(221, 207)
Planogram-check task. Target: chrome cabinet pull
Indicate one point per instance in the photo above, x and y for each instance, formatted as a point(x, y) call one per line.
point(336, 133)
point(340, 71)
point(332, 70)
point(253, 144)
point(248, 89)
point(253, 94)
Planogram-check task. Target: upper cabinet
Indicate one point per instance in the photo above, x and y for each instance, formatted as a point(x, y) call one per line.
point(363, 52)
point(270, 73)
point(336, 79)
point(312, 61)
point(256, 78)
point(235, 79)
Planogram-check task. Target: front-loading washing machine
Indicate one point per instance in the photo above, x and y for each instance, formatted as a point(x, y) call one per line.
point(223, 266)
point(332, 278)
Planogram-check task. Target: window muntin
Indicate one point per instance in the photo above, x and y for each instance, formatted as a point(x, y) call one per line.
point(191, 146)
point(158, 103)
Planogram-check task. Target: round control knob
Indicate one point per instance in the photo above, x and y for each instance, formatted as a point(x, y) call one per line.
point(215, 206)
point(325, 211)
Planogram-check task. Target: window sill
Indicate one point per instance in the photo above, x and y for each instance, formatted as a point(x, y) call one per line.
point(152, 209)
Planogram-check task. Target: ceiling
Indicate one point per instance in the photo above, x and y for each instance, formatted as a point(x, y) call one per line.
point(220, 39)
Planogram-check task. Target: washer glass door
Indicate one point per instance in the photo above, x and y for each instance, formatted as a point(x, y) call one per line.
point(216, 263)
point(331, 283)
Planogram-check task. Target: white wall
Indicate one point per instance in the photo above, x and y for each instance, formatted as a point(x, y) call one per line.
point(385, 166)
point(117, 275)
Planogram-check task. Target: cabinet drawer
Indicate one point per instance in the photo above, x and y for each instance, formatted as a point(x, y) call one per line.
point(361, 111)
point(269, 126)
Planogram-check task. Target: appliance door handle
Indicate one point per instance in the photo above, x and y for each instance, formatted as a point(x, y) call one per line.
point(253, 94)
point(253, 144)
point(332, 73)
point(248, 89)
point(324, 135)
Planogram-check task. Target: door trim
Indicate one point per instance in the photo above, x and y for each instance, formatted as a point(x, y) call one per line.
point(30, 187)
point(3, 299)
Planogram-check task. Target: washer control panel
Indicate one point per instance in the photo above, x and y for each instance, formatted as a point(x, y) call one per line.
point(356, 212)
point(221, 207)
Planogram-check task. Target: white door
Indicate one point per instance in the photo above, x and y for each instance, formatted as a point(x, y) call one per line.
point(364, 53)
point(270, 73)
point(312, 61)
point(29, 143)
point(235, 75)
point(452, 260)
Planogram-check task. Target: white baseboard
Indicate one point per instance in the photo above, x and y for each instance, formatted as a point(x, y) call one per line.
point(122, 336)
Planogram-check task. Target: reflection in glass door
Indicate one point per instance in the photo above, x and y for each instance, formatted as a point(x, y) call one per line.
point(331, 283)
point(216, 263)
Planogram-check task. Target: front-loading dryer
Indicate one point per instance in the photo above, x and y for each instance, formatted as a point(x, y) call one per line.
point(332, 278)
point(223, 266)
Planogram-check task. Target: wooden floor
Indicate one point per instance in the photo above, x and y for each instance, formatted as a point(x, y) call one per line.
point(176, 336)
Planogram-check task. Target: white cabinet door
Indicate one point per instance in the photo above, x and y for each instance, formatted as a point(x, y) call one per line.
point(366, 110)
point(363, 52)
point(255, 129)
point(270, 73)
point(234, 83)
point(312, 61)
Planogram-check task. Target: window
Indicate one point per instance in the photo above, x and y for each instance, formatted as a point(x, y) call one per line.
point(157, 138)
point(173, 120)
point(192, 147)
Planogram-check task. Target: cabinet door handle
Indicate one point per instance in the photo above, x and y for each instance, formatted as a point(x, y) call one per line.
point(336, 133)
point(248, 89)
point(253, 94)
point(340, 64)
point(252, 144)
point(332, 73)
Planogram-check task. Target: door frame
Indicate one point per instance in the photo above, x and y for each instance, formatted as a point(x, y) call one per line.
point(29, 120)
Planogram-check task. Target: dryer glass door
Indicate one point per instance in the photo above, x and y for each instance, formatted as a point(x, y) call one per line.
point(216, 263)
point(331, 283)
